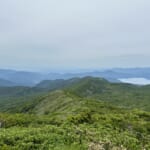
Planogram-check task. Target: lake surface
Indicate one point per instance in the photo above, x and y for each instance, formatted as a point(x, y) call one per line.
point(137, 81)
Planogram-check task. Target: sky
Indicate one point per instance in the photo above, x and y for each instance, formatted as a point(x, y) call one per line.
point(74, 34)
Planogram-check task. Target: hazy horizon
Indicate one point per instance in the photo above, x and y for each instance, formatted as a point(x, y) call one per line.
point(72, 70)
point(74, 35)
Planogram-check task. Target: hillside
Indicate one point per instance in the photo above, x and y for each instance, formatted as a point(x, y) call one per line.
point(64, 121)
point(50, 85)
point(76, 114)
point(117, 94)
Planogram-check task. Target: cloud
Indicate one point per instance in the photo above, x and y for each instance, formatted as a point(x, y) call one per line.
point(73, 33)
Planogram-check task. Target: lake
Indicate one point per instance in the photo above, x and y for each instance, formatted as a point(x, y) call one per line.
point(137, 81)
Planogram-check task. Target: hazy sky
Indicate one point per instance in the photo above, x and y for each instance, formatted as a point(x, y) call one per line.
point(44, 34)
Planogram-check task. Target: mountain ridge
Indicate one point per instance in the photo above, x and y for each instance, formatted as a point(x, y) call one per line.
point(117, 94)
point(27, 78)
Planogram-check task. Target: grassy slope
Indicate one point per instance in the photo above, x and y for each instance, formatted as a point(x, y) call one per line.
point(80, 117)
point(118, 94)
point(62, 120)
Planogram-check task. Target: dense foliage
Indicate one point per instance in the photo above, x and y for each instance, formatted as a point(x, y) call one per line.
point(79, 117)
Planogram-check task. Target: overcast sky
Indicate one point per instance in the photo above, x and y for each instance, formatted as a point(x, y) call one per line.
point(57, 34)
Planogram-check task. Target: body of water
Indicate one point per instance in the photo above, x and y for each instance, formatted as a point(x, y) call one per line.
point(137, 81)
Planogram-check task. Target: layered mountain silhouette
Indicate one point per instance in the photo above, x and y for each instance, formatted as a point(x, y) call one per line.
point(25, 78)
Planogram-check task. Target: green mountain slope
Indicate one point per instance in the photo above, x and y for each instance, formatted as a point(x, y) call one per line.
point(62, 103)
point(77, 114)
point(63, 121)
point(50, 85)
point(117, 94)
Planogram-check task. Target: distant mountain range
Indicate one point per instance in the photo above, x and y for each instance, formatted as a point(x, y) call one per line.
point(6, 83)
point(25, 78)
point(19, 78)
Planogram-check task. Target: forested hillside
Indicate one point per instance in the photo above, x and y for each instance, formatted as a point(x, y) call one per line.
point(77, 114)
point(118, 94)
